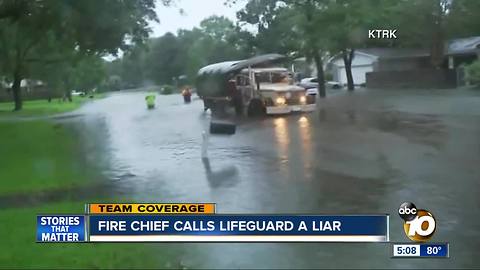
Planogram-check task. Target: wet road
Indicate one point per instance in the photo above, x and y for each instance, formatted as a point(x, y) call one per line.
point(361, 153)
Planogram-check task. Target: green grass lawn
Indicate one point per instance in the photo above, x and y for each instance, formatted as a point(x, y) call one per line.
point(41, 155)
point(19, 249)
point(43, 107)
point(38, 155)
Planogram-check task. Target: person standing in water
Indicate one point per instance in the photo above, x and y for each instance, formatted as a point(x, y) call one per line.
point(150, 99)
point(187, 95)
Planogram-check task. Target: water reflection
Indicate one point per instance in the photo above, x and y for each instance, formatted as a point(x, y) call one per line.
point(304, 122)
point(282, 137)
point(322, 115)
point(306, 145)
point(352, 116)
point(225, 177)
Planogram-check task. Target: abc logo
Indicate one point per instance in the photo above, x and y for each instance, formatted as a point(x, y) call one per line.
point(419, 224)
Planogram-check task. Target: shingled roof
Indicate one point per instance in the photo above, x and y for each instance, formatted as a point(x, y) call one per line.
point(463, 46)
point(390, 53)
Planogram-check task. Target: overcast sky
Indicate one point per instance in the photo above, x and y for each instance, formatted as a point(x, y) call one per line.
point(194, 12)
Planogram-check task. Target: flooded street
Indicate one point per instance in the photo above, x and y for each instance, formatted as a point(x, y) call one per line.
point(365, 152)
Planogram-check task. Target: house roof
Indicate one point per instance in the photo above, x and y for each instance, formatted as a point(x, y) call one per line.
point(24, 83)
point(387, 53)
point(455, 46)
point(470, 45)
point(463, 45)
point(390, 53)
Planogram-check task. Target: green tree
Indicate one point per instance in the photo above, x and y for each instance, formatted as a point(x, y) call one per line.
point(88, 73)
point(13, 9)
point(300, 20)
point(166, 59)
point(463, 19)
point(274, 21)
point(423, 24)
point(75, 71)
point(314, 44)
point(346, 27)
point(170, 56)
point(196, 49)
point(430, 23)
point(41, 28)
point(225, 40)
point(132, 70)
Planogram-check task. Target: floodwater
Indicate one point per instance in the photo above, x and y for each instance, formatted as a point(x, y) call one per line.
point(365, 152)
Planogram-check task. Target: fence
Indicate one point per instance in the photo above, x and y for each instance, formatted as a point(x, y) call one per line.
point(418, 78)
point(30, 93)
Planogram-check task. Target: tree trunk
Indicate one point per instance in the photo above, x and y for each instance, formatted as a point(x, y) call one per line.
point(320, 74)
point(347, 60)
point(16, 90)
point(438, 38)
point(68, 95)
point(436, 50)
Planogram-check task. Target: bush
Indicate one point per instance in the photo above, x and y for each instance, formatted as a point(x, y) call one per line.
point(167, 89)
point(472, 72)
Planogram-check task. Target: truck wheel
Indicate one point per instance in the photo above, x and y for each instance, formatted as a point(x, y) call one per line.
point(206, 105)
point(256, 108)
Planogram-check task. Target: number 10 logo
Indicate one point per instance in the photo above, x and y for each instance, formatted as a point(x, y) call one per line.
point(419, 224)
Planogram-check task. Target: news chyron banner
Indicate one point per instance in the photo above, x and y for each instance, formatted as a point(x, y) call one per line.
point(199, 222)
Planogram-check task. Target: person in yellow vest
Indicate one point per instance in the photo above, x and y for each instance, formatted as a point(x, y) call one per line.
point(150, 99)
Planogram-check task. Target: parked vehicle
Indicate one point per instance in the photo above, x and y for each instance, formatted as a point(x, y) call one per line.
point(308, 83)
point(311, 84)
point(255, 84)
point(312, 91)
point(77, 93)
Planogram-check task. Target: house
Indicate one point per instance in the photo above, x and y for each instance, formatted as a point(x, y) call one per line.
point(462, 51)
point(457, 52)
point(377, 59)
